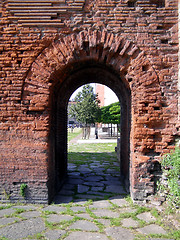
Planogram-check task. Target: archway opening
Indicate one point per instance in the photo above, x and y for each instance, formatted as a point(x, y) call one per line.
point(78, 76)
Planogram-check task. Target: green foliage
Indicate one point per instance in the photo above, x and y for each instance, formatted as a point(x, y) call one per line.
point(5, 194)
point(111, 113)
point(22, 189)
point(171, 166)
point(19, 210)
point(86, 109)
point(5, 206)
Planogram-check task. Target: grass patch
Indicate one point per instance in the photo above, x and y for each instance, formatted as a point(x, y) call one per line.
point(99, 225)
point(91, 214)
point(80, 158)
point(5, 207)
point(171, 168)
point(51, 225)
point(76, 132)
point(171, 235)
point(47, 212)
point(3, 238)
point(141, 209)
point(116, 222)
point(94, 148)
point(141, 237)
point(19, 210)
point(37, 236)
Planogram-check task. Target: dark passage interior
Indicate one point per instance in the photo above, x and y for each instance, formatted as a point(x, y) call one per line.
point(78, 76)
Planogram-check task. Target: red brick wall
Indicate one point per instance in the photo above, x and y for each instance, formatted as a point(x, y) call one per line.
point(42, 48)
point(100, 92)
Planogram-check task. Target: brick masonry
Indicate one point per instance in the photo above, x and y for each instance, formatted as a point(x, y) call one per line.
point(50, 48)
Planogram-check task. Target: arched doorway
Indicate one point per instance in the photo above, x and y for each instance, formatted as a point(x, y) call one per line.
point(87, 72)
point(105, 58)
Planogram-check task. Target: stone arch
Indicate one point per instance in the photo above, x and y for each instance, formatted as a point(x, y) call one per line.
point(140, 92)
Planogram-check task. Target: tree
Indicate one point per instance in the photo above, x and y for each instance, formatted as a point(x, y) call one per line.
point(115, 112)
point(86, 109)
point(111, 114)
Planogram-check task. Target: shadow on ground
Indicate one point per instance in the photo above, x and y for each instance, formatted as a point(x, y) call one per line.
point(93, 176)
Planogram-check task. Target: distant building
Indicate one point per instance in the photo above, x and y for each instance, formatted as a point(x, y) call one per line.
point(105, 95)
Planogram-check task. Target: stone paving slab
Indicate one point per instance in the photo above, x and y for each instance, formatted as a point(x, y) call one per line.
point(88, 196)
point(77, 209)
point(129, 222)
point(54, 234)
point(146, 216)
point(5, 221)
point(127, 210)
point(105, 213)
point(55, 218)
point(84, 215)
point(7, 211)
point(86, 236)
point(105, 222)
point(23, 229)
point(25, 207)
point(54, 208)
point(119, 233)
point(84, 169)
point(100, 204)
point(31, 214)
point(75, 181)
point(84, 226)
point(74, 173)
point(94, 184)
point(152, 229)
point(119, 201)
point(79, 202)
point(94, 178)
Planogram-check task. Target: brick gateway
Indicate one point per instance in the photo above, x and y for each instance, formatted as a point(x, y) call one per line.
point(48, 51)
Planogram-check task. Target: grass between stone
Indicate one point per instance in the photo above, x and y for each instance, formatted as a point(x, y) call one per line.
point(86, 154)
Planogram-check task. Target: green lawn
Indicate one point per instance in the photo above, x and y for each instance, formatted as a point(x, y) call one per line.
point(92, 147)
point(75, 133)
point(84, 153)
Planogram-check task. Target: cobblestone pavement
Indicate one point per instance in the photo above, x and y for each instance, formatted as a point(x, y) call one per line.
point(93, 204)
